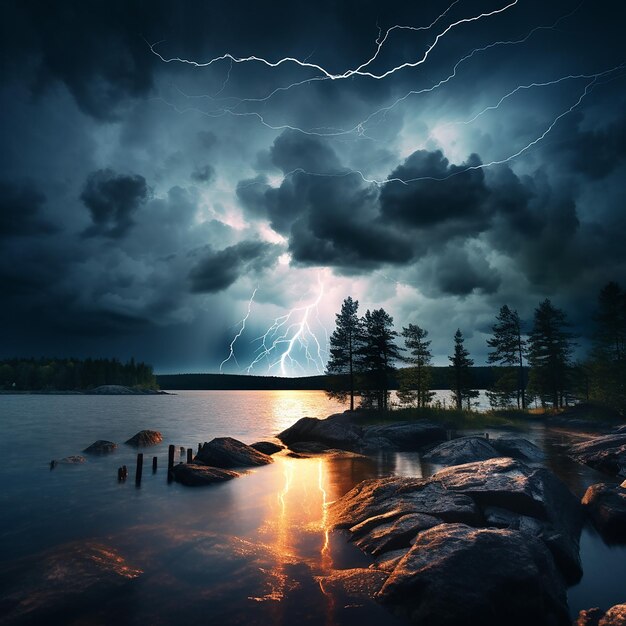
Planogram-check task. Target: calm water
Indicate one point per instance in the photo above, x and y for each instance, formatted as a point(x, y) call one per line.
point(252, 551)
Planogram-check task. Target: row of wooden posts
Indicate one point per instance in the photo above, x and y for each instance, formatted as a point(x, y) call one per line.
point(122, 472)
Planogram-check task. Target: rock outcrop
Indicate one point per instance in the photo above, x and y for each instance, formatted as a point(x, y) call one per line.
point(518, 448)
point(196, 475)
point(339, 431)
point(606, 505)
point(228, 453)
point(606, 453)
point(145, 438)
point(100, 447)
point(451, 543)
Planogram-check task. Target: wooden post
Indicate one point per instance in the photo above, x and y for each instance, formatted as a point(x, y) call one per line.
point(182, 451)
point(199, 447)
point(154, 464)
point(189, 455)
point(170, 457)
point(119, 475)
point(487, 436)
point(139, 469)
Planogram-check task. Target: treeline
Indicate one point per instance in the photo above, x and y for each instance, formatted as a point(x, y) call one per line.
point(73, 374)
point(533, 363)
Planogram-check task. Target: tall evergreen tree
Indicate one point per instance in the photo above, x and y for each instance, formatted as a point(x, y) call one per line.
point(507, 350)
point(379, 352)
point(549, 354)
point(345, 343)
point(608, 357)
point(415, 381)
point(461, 373)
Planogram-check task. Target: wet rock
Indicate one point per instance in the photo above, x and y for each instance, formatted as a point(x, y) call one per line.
point(267, 447)
point(308, 447)
point(462, 450)
point(615, 616)
point(196, 475)
point(75, 459)
point(357, 584)
point(518, 448)
point(455, 574)
point(606, 454)
point(404, 435)
point(334, 431)
point(606, 505)
point(56, 586)
point(145, 438)
point(227, 453)
point(100, 447)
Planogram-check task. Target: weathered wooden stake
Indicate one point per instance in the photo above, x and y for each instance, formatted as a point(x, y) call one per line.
point(170, 457)
point(189, 455)
point(119, 475)
point(154, 464)
point(199, 447)
point(182, 451)
point(487, 436)
point(139, 469)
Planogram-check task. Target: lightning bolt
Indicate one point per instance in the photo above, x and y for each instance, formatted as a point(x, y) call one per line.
point(242, 322)
point(290, 332)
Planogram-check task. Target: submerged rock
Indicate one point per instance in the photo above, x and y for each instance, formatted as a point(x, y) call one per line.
point(145, 438)
point(75, 459)
point(462, 450)
point(227, 453)
point(196, 475)
point(455, 574)
point(56, 586)
point(267, 447)
point(615, 616)
point(102, 446)
point(606, 454)
point(606, 505)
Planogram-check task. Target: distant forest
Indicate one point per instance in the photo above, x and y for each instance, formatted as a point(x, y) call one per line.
point(73, 374)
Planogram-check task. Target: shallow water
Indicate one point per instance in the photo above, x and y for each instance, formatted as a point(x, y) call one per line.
point(255, 550)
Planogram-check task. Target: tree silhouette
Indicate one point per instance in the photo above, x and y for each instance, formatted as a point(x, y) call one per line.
point(414, 382)
point(460, 372)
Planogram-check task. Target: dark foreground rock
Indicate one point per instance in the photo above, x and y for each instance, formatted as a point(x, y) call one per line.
point(228, 453)
point(462, 450)
point(340, 432)
point(455, 574)
point(615, 616)
point(100, 447)
point(606, 505)
point(267, 447)
point(606, 454)
point(196, 475)
point(518, 448)
point(145, 438)
point(54, 587)
point(451, 543)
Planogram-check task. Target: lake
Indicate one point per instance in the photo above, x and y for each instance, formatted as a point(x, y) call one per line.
point(251, 551)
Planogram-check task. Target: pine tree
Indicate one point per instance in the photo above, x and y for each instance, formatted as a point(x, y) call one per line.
point(345, 343)
point(508, 350)
point(608, 357)
point(379, 352)
point(460, 373)
point(549, 353)
point(415, 381)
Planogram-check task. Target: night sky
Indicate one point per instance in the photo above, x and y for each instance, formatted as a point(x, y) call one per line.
point(144, 200)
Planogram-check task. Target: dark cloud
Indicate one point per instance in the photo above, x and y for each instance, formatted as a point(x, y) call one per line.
point(112, 199)
point(217, 271)
point(20, 207)
point(203, 174)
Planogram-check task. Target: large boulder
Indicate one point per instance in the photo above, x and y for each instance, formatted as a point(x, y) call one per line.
point(334, 431)
point(403, 435)
point(615, 616)
point(606, 453)
point(196, 475)
point(461, 450)
point(518, 448)
point(228, 453)
point(267, 447)
point(489, 542)
point(102, 446)
point(145, 438)
point(606, 505)
point(455, 574)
